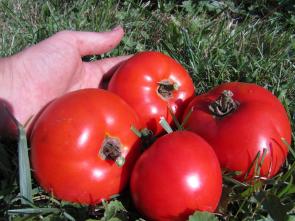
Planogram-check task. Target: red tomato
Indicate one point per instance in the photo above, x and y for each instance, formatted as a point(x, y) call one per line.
point(149, 82)
point(75, 142)
point(252, 121)
point(177, 175)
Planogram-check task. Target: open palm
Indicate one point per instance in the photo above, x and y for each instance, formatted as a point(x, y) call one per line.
point(54, 67)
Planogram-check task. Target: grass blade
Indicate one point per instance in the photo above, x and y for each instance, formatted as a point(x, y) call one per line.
point(289, 186)
point(252, 165)
point(289, 173)
point(33, 211)
point(165, 125)
point(186, 118)
point(68, 216)
point(257, 172)
point(288, 146)
point(175, 120)
point(25, 181)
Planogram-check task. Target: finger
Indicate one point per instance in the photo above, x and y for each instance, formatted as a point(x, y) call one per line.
point(103, 70)
point(106, 66)
point(91, 43)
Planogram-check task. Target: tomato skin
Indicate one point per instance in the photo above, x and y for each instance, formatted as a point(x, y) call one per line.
point(136, 81)
point(259, 123)
point(66, 140)
point(177, 175)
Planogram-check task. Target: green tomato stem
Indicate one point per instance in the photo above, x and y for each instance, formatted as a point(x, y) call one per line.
point(136, 131)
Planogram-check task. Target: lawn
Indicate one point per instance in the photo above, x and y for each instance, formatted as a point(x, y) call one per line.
point(216, 41)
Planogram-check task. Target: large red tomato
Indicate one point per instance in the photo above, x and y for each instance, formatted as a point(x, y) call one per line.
point(177, 175)
point(150, 82)
point(76, 142)
point(241, 120)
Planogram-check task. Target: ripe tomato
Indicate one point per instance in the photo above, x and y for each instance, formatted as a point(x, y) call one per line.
point(150, 82)
point(177, 175)
point(75, 142)
point(239, 120)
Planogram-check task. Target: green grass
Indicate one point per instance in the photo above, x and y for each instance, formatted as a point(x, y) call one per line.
point(250, 41)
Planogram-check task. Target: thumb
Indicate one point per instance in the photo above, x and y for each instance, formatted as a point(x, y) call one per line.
point(91, 43)
point(108, 65)
point(105, 67)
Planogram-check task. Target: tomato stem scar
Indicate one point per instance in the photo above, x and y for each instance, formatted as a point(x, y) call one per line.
point(224, 105)
point(166, 87)
point(111, 150)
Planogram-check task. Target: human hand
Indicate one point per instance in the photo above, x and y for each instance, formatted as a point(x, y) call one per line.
point(53, 67)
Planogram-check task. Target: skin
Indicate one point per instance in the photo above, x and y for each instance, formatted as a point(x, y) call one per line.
point(177, 175)
point(35, 76)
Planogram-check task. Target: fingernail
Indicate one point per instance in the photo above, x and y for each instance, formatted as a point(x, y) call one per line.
point(116, 28)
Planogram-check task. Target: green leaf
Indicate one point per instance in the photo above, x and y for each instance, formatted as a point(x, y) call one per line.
point(275, 208)
point(202, 216)
point(291, 218)
point(114, 211)
point(114, 219)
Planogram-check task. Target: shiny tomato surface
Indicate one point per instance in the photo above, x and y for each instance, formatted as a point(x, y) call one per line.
point(67, 141)
point(258, 124)
point(177, 175)
point(150, 82)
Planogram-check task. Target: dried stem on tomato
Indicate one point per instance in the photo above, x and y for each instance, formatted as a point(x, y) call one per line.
point(166, 88)
point(111, 150)
point(224, 105)
point(147, 136)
